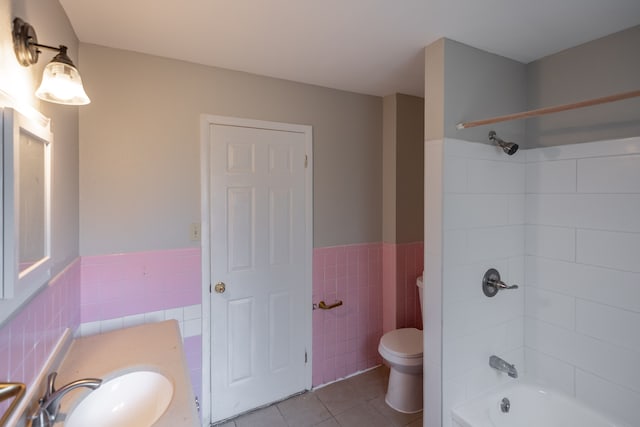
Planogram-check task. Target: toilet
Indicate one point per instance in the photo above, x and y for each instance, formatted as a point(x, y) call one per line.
point(401, 350)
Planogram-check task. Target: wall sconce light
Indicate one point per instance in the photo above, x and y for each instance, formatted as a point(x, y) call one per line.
point(61, 82)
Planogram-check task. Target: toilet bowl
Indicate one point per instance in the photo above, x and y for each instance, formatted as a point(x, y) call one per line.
point(402, 350)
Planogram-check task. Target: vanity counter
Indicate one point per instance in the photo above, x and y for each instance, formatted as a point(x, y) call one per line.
point(153, 347)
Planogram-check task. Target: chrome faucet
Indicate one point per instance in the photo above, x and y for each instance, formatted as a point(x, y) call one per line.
point(49, 404)
point(501, 365)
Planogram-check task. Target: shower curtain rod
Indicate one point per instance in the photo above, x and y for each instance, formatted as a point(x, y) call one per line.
point(549, 110)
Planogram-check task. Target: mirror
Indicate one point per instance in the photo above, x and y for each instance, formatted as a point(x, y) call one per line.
point(31, 187)
point(26, 180)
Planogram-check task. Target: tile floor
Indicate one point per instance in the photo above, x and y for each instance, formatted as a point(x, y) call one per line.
point(355, 402)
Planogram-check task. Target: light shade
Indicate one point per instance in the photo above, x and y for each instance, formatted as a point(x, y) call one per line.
point(61, 83)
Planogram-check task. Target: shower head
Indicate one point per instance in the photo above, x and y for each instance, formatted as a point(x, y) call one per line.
point(508, 147)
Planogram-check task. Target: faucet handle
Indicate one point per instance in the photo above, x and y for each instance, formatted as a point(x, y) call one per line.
point(502, 285)
point(51, 378)
point(491, 283)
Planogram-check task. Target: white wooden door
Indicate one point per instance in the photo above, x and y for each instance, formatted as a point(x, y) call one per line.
point(260, 250)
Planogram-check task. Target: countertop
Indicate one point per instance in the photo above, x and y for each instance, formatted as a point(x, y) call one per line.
point(154, 346)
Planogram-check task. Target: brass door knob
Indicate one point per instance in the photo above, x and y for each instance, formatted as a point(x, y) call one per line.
point(220, 287)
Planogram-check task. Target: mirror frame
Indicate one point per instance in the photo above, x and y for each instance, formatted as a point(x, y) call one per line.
point(17, 285)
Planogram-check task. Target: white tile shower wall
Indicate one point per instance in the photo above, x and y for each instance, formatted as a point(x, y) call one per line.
point(607, 397)
point(549, 370)
point(582, 309)
point(483, 211)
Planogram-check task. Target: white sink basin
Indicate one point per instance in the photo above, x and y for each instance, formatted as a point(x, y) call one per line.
point(135, 399)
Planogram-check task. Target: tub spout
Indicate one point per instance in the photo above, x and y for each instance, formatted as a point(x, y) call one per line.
point(501, 365)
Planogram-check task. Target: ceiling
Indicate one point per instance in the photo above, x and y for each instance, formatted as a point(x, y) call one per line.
point(367, 46)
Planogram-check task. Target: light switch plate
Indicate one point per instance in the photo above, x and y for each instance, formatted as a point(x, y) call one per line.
point(195, 231)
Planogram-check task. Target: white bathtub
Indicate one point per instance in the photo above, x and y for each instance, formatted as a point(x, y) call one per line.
point(531, 406)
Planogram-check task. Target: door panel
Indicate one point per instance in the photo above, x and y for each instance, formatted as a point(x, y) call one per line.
point(280, 232)
point(240, 338)
point(259, 249)
point(240, 228)
point(279, 320)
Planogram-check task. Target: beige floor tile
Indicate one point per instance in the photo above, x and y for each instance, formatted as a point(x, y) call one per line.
point(371, 384)
point(398, 419)
point(303, 410)
point(362, 415)
point(356, 402)
point(339, 396)
point(331, 422)
point(266, 417)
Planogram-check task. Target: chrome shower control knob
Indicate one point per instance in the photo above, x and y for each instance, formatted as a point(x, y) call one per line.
point(220, 287)
point(491, 283)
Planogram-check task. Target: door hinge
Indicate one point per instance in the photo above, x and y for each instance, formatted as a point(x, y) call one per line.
point(305, 356)
point(306, 161)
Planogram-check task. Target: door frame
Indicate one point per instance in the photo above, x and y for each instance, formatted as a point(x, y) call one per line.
point(206, 120)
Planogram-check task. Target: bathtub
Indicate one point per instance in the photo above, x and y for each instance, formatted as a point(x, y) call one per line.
point(530, 406)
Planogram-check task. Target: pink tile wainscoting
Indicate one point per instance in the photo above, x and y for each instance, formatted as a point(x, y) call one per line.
point(401, 266)
point(28, 339)
point(409, 265)
point(100, 288)
point(377, 283)
point(389, 288)
point(120, 285)
point(146, 286)
point(345, 339)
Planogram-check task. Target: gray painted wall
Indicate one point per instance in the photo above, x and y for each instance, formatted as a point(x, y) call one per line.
point(434, 91)
point(389, 147)
point(599, 68)
point(403, 169)
point(464, 84)
point(140, 142)
point(410, 169)
point(479, 85)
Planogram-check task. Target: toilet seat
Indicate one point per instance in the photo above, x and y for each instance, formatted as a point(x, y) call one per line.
point(403, 345)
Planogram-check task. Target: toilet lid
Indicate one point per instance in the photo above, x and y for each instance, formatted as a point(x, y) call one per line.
point(406, 342)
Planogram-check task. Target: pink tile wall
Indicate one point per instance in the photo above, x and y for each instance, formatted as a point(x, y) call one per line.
point(345, 339)
point(139, 282)
point(28, 339)
point(401, 266)
point(389, 288)
point(409, 265)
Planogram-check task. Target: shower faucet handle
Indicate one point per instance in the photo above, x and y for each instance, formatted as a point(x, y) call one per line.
point(491, 283)
point(501, 285)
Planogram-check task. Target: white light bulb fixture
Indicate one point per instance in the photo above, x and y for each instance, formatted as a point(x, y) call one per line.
point(61, 82)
